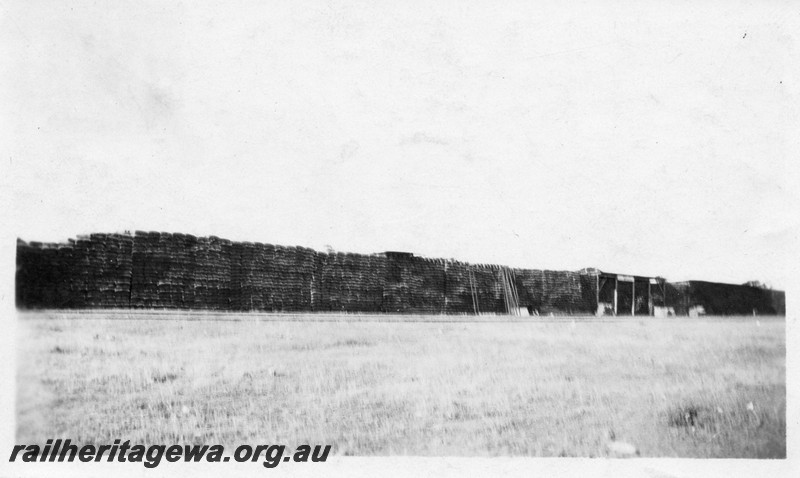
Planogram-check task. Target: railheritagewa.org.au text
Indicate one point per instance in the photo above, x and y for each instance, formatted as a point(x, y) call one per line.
point(151, 456)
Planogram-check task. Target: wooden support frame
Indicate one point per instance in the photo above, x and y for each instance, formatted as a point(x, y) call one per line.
point(597, 294)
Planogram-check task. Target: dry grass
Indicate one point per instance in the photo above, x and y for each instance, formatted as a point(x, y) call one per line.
point(537, 388)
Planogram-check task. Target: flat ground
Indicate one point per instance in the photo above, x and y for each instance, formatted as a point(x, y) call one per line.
point(538, 387)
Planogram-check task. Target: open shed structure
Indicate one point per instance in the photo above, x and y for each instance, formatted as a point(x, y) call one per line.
point(621, 294)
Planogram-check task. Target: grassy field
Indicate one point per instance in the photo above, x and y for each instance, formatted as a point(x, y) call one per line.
point(539, 387)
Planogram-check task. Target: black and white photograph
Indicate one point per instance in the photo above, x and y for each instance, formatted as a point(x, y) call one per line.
point(364, 238)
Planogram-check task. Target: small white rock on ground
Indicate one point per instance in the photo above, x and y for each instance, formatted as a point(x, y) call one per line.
point(620, 449)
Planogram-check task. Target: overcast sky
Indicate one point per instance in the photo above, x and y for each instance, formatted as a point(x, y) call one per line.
point(638, 137)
